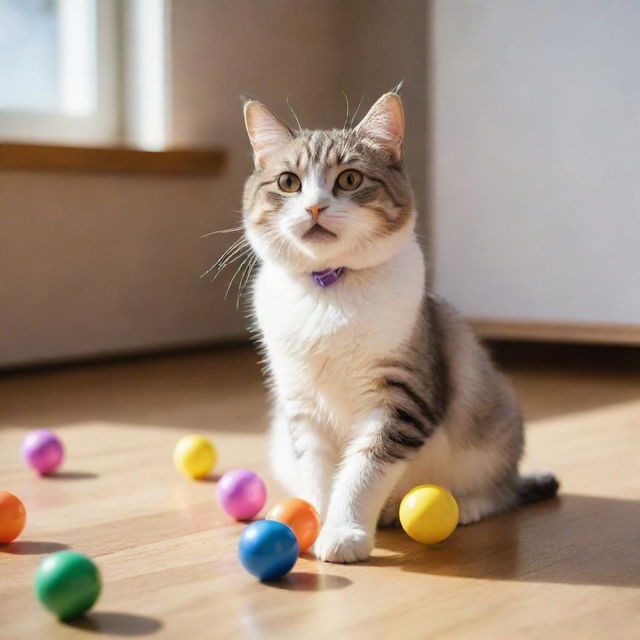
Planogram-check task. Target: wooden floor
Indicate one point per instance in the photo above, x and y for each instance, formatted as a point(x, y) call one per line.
point(569, 568)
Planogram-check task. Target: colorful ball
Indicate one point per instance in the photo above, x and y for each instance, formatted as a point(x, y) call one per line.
point(13, 516)
point(67, 584)
point(268, 549)
point(195, 456)
point(241, 493)
point(301, 517)
point(429, 513)
point(42, 450)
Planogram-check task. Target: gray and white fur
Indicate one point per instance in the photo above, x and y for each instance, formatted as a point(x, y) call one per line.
point(378, 385)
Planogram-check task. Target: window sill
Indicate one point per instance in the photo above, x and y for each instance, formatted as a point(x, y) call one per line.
point(184, 162)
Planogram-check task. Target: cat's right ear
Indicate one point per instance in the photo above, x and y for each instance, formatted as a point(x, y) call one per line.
point(266, 132)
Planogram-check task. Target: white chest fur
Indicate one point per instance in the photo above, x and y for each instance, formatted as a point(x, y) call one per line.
point(323, 343)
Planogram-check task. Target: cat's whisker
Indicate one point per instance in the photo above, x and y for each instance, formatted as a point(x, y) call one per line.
point(355, 114)
point(347, 141)
point(281, 246)
point(238, 242)
point(237, 256)
point(229, 230)
point(220, 268)
point(237, 245)
point(241, 281)
point(346, 118)
point(227, 258)
point(236, 274)
point(247, 277)
point(295, 115)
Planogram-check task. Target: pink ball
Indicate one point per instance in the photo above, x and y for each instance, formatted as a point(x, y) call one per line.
point(241, 493)
point(42, 450)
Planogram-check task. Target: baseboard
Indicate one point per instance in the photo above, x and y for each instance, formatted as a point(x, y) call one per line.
point(534, 330)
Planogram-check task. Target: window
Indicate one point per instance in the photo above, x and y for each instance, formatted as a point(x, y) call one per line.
point(83, 72)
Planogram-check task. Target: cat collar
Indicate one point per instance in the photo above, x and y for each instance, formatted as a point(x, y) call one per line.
point(328, 276)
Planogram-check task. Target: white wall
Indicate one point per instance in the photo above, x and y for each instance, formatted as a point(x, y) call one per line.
point(536, 158)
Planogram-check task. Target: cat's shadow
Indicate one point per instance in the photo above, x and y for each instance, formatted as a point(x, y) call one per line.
point(573, 539)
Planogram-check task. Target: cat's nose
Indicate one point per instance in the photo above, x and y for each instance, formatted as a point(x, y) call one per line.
point(316, 209)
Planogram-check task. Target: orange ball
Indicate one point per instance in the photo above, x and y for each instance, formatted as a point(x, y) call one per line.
point(13, 515)
point(301, 516)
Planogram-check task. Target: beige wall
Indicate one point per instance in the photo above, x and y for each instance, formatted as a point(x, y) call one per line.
point(99, 264)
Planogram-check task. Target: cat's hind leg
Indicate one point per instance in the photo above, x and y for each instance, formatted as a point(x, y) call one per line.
point(390, 514)
point(474, 507)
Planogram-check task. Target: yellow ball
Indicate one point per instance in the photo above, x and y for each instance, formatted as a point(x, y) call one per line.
point(195, 456)
point(429, 513)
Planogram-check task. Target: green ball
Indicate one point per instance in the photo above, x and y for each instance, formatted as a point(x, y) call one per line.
point(67, 583)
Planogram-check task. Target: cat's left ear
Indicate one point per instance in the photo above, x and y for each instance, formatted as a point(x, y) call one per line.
point(266, 132)
point(385, 124)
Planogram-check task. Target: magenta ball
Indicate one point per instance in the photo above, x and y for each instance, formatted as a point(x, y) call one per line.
point(42, 450)
point(241, 493)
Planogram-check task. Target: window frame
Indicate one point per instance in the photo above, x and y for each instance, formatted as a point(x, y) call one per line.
point(104, 126)
point(133, 104)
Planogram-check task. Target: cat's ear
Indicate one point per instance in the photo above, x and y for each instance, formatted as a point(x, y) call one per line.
point(266, 132)
point(385, 123)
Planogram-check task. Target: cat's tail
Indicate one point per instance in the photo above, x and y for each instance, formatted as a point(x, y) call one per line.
point(534, 487)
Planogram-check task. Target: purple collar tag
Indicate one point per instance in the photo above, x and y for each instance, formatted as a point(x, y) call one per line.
point(328, 276)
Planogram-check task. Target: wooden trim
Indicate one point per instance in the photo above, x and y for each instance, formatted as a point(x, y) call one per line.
point(35, 157)
point(531, 330)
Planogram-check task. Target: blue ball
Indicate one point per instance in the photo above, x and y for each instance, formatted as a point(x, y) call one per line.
point(268, 549)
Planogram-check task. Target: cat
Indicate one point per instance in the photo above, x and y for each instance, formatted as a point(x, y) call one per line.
point(378, 385)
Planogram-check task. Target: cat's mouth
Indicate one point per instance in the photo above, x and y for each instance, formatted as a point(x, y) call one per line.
point(318, 232)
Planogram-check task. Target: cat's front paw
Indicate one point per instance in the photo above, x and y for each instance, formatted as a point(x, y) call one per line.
point(343, 544)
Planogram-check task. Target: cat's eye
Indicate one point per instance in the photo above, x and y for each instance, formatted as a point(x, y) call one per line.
point(289, 182)
point(349, 180)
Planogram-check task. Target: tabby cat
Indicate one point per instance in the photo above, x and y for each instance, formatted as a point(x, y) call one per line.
point(378, 385)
